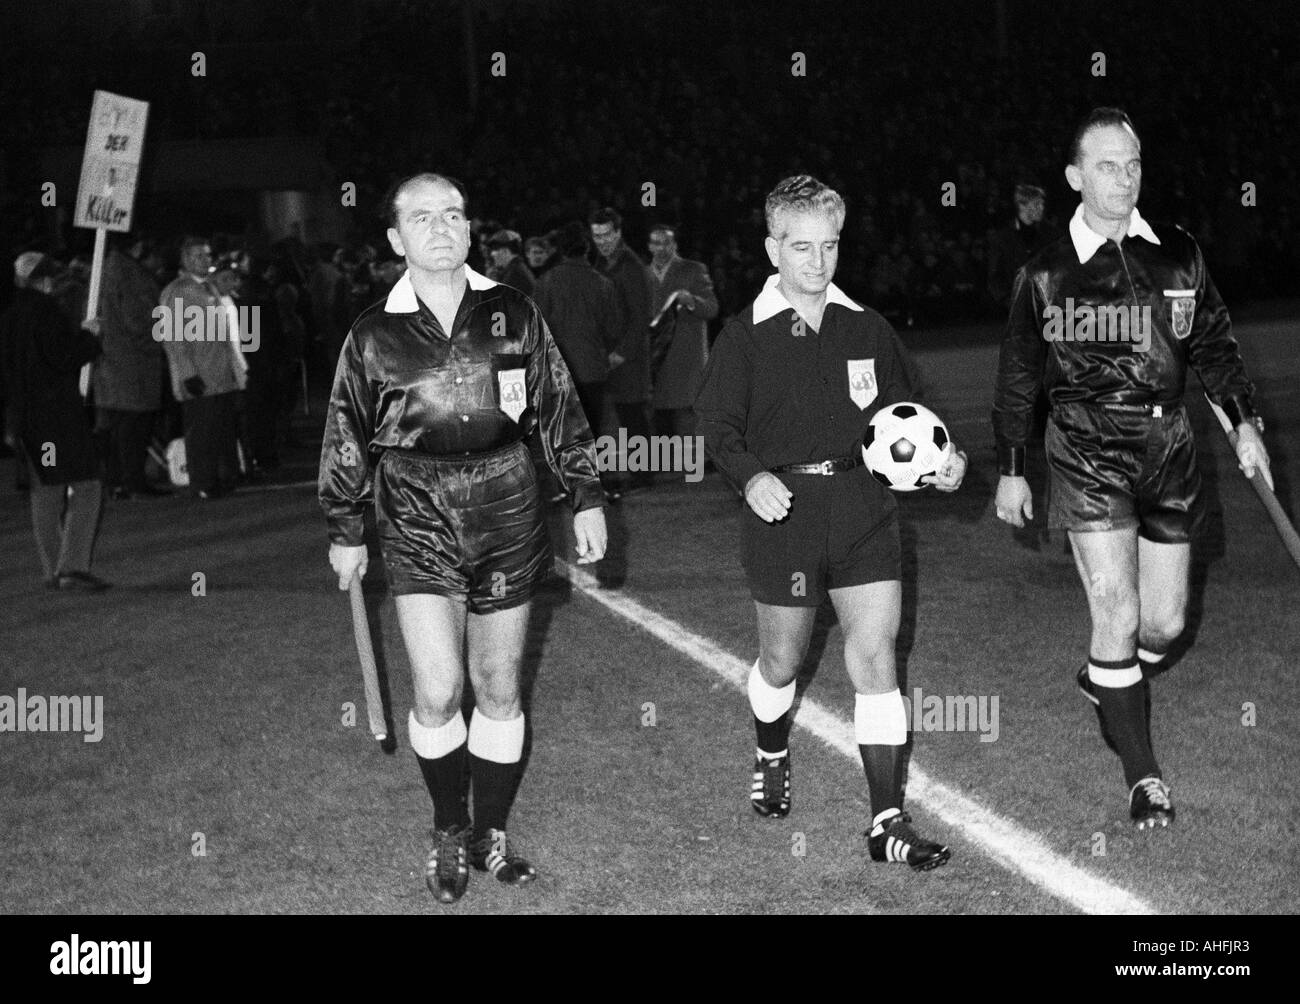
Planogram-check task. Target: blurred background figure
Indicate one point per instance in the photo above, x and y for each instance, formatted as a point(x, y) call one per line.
point(629, 363)
point(540, 254)
point(127, 377)
point(269, 368)
point(41, 354)
point(204, 374)
point(327, 291)
point(293, 335)
point(1011, 246)
point(508, 266)
point(581, 308)
point(681, 338)
point(226, 281)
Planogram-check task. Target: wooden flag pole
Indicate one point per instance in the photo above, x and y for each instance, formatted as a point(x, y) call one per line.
point(92, 299)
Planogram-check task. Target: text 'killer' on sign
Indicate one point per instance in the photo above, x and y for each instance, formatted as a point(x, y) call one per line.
point(114, 143)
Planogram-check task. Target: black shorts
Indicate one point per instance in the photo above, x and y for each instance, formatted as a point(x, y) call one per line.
point(470, 527)
point(842, 530)
point(1114, 469)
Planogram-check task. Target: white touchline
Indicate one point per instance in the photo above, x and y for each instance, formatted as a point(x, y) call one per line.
point(1009, 844)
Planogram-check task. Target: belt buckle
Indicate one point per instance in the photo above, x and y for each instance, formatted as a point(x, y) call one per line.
point(827, 467)
point(1157, 411)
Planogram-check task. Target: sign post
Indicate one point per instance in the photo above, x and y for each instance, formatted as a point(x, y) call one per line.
point(106, 193)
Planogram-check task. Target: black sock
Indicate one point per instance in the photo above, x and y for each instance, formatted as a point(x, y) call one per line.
point(1125, 712)
point(773, 737)
point(881, 764)
point(445, 778)
point(494, 789)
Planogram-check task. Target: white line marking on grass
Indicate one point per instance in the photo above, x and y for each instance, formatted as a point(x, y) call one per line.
point(1009, 844)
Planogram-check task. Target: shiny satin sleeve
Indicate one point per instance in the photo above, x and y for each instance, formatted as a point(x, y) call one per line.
point(1213, 350)
point(344, 483)
point(566, 437)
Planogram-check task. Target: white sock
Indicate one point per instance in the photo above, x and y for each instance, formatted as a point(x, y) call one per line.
point(1115, 678)
point(880, 719)
point(500, 742)
point(768, 702)
point(432, 743)
point(1148, 658)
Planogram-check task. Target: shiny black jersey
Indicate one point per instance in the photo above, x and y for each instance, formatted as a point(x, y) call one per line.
point(403, 382)
point(1118, 329)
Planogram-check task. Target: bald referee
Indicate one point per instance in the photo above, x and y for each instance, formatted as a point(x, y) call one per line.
point(436, 389)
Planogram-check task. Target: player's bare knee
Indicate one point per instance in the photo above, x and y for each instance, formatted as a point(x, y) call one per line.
point(871, 664)
point(1162, 630)
point(501, 705)
point(496, 690)
point(779, 666)
point(433, 710)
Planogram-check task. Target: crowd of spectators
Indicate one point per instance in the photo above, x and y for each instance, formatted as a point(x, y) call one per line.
point(703, 107)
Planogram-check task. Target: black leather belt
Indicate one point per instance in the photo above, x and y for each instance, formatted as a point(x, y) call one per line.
point(836, 466)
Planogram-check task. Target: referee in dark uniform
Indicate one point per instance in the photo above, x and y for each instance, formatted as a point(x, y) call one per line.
point(1124, 478)
point(435, 391)
point(787, 398)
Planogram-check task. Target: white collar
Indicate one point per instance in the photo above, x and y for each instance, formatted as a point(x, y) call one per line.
point(402, 299)
point(771, 301)
point(1087, 241)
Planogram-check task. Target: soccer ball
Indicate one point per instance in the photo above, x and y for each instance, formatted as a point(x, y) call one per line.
point(904, 444)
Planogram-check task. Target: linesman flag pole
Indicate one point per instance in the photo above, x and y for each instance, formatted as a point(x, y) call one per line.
point(106, 193)
point(369, 670)
point(1275, 511)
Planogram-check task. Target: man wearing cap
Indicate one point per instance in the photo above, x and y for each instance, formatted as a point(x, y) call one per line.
point(508, 266)
point(41, 355)
point(193, 327)
point(436, 389)
point(787, 400)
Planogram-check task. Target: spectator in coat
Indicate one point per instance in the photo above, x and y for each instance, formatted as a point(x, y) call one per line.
point(508, 266)
point(540, 253)
point(327, 292)
point(629, 379)
point(127, 376)
point(41, 355)
point(581, 308)
point(681, 336)
point(203, 371)
point(269, 367)
point(1011, 246)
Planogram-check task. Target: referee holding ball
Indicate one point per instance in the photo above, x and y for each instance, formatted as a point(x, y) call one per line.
point(787, 398)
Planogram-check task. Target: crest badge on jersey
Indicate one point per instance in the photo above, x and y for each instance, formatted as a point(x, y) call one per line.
point(862, 381)
point(512, 393)
point(1182, 310)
